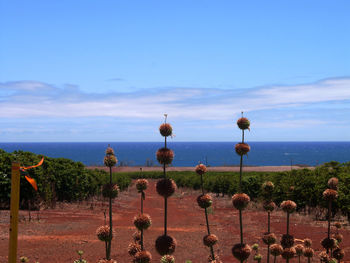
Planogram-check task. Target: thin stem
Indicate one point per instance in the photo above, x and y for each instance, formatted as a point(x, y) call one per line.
point(241, 225)
point(141, 239)
point(329, 217)
point(165, 214)
point(142, 213)
point(240, 174)
point(268, 253)
point(268, 222)
point(110, 218)
point(202, 184)
point(299, 258)
point(274, 259)
point(287, 223)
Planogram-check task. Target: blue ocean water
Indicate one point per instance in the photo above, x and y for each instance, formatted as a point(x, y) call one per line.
point(190, 153)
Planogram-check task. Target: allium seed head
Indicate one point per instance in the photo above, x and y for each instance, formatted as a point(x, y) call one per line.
point(109, 151)
point(143, 257)
point(308, 252)
point(103, 233)
point(23, 259)
point(276, 250)
point(166, 187)
point(137, 237)
point(142, 221)
point(141, 184)
point(269, 206)
point(242, 148)
point(216, 259)
point(110, 190)
point(339, 237)
point(133, 248)
point(166, 130)
point(338, 254)
point(165, 156)
point(337, 225)
point(255, 247)
point(330, 195)
point(307, 242)
point(299, 249)
point(258, 257)
point(201, 169)
point(288, 206)
point(333, 183)
point(333, 260)
point(241, 251)
point(329, 243)
point(110, 160)
point(167, 259)
point(165, 245)
point(268, 187)
point(324, 257)
point(243, 123)
point(287, 241)
point(240, 201)
point(288, 252)
point(204, 200)
point(210, 240)
point(269, 238)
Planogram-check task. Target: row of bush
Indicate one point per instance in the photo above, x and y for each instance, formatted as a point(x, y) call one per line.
point(58, 179)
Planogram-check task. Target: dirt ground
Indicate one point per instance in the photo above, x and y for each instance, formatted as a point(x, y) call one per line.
point(62, 231)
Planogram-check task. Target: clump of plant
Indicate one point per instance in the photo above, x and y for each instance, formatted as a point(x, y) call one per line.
point(110, 191)
point(205, 201)
point(276, 250)
point(268, 237)
point(165, 244)
point(240, 200)
point(257, 256)
point(80, 260)
point(287, 240)
point(23, 259)
point(308, 251)
point(299, 250)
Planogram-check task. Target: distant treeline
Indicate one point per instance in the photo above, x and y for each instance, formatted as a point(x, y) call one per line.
point(58, 179)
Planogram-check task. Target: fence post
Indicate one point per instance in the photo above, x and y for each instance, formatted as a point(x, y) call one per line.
point(15, 188)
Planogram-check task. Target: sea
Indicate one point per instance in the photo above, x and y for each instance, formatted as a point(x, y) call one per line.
point(191, 153)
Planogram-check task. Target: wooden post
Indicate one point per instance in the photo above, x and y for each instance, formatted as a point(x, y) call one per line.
point(15, 188)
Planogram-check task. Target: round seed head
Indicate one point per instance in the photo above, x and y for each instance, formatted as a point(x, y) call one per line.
point(23, 259)
point(338, 254)
point(142, 257)
point(324, 257)
point(337, 225)
point(299, 249)
point(330, 195)
point(258, 257)
point(142, 221)
point(288, 206)
point(287, 241)
point(103, 233)
point(307, 242)
point(269, 238)
point(241, 251)
point(110, 160)
point(166, 130)
point(165, 245)
point(333, 183)
point(166, 187)
point(216, 259)
point(308, 252)
point(255, 247)
point(339, 237)
point(110, 190)
point(240, 201)
point(204, 200)
point(269, 206)
point(329, 243)
point(333, 260)
point(243, 123)
point(288, 252)
point(276, 250)
point(210, 240)
point(141, 184)
point(109, 151)
point(165, 156)
point(133, 248)
point(268, 187)
point(201, 169)
point(242, 148)
point(167, 259)
point(137, 237)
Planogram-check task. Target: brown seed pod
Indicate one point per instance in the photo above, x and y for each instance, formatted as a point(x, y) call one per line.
point(110, 190)
point(142, 221)
point(242, 148)
point(269, 238)
point(201, 169)
point(330, 195)
point(243, 123)
point(110, 160)
point(288, 206)
point(167, 259)
point(329, 243)
point(165, 156)
point(299, 249)
point(165, 245)
point(214, 260)
point(141, 184)
point(307, 242)
point(333, 183)
point(204, 200)
point(276, 250)
point(210, 240)
point(337, 225)
point(133, 248)
point(240, 201)
point(308, 252)
point(268, 187)
point(109, 151)
point(288, 252)
point(166, 130)
point(269, 206)
point(339, 237)
point(241, 251)
point(137, 237)
point(324, 257)
point(143, 257)
point(166, 187)
point(102, 233)
point(287, 241)
point(338, 254)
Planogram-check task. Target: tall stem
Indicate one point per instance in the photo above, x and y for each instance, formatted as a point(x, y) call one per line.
point(287, 223)
point(142, 194)
point(165, 198)
point(329, 220)
point(109, 246)
point(241, 225)
point(268, 231)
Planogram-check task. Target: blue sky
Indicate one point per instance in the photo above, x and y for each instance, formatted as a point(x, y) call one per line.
point(109, 70)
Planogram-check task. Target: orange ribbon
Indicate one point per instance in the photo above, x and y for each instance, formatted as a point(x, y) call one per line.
point(30, 179)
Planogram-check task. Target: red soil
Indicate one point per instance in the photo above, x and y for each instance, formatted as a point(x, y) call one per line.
point(70, 227)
